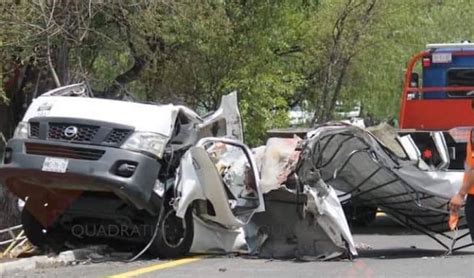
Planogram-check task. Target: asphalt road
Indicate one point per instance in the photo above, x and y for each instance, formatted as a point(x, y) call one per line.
point(388, 251)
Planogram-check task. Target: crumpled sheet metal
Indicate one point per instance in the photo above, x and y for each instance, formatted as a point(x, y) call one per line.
point(354, 161)
point(279, 160)
point(330, 216)
point(300, 225)
point(289, 228)
point(211, 239)
point(310, 223)
point(230, 108)
point(321, 220)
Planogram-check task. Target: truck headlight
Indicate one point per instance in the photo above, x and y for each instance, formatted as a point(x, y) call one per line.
point(21, 131)
point(150, 142)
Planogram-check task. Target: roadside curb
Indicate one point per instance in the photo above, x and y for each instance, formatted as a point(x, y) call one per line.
point(44, 261)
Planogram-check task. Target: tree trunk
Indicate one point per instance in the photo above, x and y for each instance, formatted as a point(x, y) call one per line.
point(9, 213)
point(6, 121)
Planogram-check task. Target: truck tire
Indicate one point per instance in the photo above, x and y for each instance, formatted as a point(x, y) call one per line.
point(51, 238)
point(364, 216)
point(175, 236)
point(34, 230)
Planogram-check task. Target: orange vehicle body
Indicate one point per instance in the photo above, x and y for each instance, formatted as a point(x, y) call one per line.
point(434, 114)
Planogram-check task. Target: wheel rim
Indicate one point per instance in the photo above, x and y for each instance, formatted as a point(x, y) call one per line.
point(173, 230)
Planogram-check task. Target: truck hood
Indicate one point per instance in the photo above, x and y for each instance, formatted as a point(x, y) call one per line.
point(143, 117)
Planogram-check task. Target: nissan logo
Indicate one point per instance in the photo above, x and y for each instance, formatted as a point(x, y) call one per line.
point(71, 132)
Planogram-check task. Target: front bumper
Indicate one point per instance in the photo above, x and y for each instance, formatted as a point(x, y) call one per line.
point(23, 173)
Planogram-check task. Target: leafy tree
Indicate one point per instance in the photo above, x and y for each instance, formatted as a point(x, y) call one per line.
point(334, 50)
point(276, 54)
point(402, 29)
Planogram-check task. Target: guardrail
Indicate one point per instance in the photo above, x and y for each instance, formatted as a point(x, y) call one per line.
point(17, 238)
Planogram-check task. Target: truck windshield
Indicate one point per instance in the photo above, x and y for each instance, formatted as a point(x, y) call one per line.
point(460, 77)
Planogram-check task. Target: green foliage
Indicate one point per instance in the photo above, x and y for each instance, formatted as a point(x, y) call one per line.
point(274, 53)
point(403, 29)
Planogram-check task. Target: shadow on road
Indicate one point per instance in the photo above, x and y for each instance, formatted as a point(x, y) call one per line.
point(406, 253)
point(383, 225)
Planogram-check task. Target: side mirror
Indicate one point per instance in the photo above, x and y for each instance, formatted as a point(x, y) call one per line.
point(414, 80)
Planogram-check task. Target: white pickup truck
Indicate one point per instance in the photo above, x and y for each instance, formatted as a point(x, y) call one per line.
point(91, 168)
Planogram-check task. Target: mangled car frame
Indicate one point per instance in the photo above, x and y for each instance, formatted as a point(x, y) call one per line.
point(385, 169)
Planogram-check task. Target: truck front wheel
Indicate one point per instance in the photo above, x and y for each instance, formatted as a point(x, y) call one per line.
point(40, 236)
point(175, 235)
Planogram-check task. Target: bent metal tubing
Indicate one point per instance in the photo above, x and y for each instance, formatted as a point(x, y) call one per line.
point(406, 218)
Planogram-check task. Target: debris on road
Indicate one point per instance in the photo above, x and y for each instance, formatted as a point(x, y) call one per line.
point(17, 245)
point(62, 259)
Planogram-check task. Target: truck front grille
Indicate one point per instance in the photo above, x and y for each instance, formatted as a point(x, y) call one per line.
point(117, 136)
point(64, 152)
point(77, 131)
point(34, 130)
point(85, 133)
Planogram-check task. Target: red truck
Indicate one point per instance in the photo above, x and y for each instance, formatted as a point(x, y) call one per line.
point(438, 96)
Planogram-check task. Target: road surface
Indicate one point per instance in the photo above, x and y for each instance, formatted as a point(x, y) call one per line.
point(388, 251)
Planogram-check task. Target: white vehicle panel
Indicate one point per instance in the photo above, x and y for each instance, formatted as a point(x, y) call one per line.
point(143, 117)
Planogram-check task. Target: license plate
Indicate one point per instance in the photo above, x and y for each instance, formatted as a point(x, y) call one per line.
point(56, 165)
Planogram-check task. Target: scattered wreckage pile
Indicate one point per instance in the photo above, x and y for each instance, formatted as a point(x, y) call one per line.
point(387, 171)
point(165, 179)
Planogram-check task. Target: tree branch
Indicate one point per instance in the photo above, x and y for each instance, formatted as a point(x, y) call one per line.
point(290, 50)
point(115, 90)
point(48, 44)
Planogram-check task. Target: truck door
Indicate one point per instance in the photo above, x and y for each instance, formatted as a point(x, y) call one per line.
point(223, 182)
point(225, 122)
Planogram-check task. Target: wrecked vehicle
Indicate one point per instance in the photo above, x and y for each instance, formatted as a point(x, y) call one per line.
point(381, 167)
point(162, 177)
point(92, 167)
point(385, 169)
